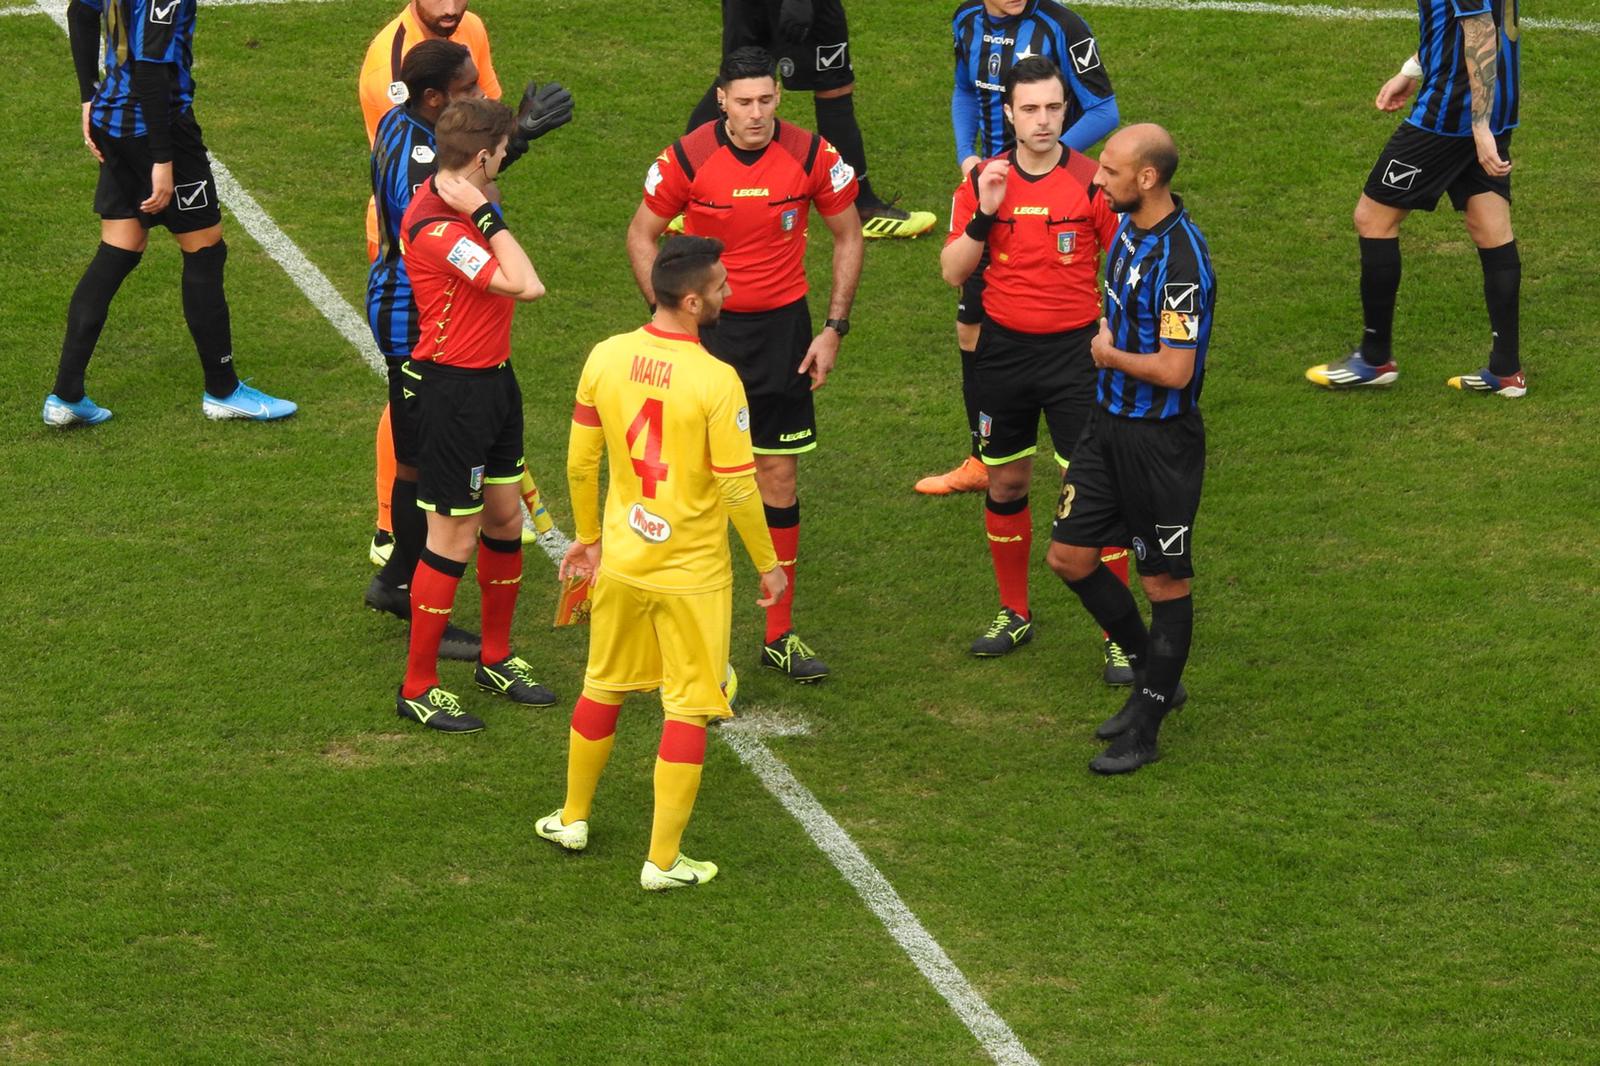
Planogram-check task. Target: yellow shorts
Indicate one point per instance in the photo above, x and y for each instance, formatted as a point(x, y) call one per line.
point(640, 641)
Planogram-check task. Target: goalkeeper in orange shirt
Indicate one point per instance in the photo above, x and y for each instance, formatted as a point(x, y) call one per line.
point(675, 426)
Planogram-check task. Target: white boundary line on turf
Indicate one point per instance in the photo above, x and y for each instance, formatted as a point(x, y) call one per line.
point(989, 1028)
point(1315, 11)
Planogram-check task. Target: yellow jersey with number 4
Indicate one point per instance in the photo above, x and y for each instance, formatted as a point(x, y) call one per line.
point(675, 421)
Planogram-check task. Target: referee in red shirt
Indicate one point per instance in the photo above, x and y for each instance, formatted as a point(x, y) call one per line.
point(467, 273)
point(750, 181)
point(1044, 224)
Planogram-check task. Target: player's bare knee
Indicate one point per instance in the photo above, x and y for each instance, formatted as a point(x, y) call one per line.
point(1070, 562)
point(1010, 481)
point(1488, 220)
point(1375, 220)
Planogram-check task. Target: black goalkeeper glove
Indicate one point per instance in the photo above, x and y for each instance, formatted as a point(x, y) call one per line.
point(794, 20)
point(544, 108)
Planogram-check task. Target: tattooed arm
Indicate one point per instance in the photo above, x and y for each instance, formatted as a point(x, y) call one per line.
point(1482, 38)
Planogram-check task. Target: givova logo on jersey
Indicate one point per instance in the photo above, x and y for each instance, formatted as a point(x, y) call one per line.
point(652, 528)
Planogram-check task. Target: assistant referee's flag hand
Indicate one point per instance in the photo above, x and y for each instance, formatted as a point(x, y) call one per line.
point(544, 108)
point(794, 20)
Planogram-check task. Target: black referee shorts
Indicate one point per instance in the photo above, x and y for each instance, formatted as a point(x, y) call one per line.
point(820, 61)
point(1417, 167)
point(969, 308)
point(405, 409)
point(469, 435)
point(125, 179)
point(1136, 481)
point(1020, 376)
point(767, 348)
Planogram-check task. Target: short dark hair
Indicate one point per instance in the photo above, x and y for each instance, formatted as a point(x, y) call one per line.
point(1164, 157)
point(469, 126)
point(681, 267)
point(432, 65)
point(747, 62)
point(1027, 71)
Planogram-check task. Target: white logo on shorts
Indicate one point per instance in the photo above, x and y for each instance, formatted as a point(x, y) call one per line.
point(1398, 175)
point(1171, 539)
point(191, 196)
point(830, 56)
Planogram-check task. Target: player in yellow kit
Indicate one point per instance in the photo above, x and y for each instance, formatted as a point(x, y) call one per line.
point(673, 422)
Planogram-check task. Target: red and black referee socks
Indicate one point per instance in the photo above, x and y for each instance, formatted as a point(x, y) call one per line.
point(86, 315)
point(499, 580)
point(205, 309)
point(1113, 606)
point(784, 525)
point(1009, 528)
point(433, 593)
point(1502, 293)
point(1380, 287)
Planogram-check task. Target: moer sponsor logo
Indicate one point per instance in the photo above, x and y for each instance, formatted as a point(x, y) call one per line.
point(651, 527)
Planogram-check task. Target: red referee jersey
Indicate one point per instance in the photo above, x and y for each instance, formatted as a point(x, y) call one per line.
point(459, 321)
point(756, 203)
point(1044, 249)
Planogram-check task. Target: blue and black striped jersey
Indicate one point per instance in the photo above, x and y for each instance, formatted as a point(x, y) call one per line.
point(402, 159)
point(149, 31)
point(1444, 99)
point(985, 48)
point(1160, 289)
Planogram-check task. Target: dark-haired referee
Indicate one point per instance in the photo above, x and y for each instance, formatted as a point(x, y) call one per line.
point(1456, 140)
point(138, 123)
point(1136, 470)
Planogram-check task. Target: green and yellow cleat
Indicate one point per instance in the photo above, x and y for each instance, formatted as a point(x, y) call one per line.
point(685, 873)
point(573, 837)
point(436, 709)
point(885, 221)
point(512, 678)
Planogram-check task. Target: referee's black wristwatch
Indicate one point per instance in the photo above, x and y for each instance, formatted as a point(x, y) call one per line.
point(841, 326)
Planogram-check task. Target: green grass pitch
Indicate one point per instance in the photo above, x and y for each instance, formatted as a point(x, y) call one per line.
point(1372, 838)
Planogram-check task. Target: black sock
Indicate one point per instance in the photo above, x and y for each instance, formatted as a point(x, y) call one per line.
point(782, 517)
point(86, 315)
point(836, 120)
point(1380, 284)
point(447, 567)
point(410, 533)
point(705, 110)
point(1112, 605)
point(205, 308)
point(969, 394)
point(1502, 285)
point(1171, 627)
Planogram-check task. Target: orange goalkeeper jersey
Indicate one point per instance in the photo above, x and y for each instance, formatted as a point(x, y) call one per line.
point(381, 88)
point(675, 421)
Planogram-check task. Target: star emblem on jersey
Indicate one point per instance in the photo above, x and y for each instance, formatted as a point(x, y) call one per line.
point(1026, 53)
point(1085, 56)
point(1133, 276)
point(1398, 175)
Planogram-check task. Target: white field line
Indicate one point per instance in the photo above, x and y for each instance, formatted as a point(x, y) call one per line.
point(1314, 11)
point(991, 1031)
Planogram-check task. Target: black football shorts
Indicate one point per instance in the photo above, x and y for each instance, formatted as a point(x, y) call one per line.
point(767, 348)
point(125, 179)
point(1417, 167)
point(1136, 481)
point(469, 435)
point(1020, 376)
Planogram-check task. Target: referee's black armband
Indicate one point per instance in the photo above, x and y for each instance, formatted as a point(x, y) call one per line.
point(979, 225)
point(488, 221)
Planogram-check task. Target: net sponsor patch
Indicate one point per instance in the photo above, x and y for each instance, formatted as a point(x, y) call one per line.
point(841, 174)
point(468, 257)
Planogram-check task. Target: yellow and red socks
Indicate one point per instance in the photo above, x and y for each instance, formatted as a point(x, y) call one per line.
point(385, 467)
point(784, 525)
point(589, 740)
point(499, 579)
point(1009, 527)
point(1116, 561)
point(679, 761)
point(433, 593)
point(1113, 606)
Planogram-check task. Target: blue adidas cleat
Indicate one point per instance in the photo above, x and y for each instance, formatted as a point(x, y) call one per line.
point(1510, 386)
point(245, 402)
point(58, 412)
point(1353, 372)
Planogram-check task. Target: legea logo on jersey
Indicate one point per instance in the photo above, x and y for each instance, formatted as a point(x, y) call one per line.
point(651, 527)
